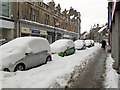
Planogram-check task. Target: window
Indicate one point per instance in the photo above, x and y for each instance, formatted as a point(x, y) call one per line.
point(37, 16)
point(33, 15)
point(5, 9)
point(30, 13)
point(55, 20)
point(46, 19)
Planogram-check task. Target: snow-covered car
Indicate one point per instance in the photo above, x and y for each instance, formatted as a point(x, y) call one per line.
point(93, 43)
point(80, 44)
point(88, 43)
point(3, 41)
point(24, 53)
point(63, 47)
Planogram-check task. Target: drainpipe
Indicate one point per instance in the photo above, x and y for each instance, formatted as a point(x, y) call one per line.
point(18, 22)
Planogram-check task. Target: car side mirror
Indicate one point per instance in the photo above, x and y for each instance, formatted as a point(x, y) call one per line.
point(68, 47)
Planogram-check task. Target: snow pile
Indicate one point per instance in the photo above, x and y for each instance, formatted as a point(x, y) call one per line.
point(61, 45)
point(79, 44)
point(0, 72)
point(16, 49)
point(0, 80)
point(111, 77)
point(56, 73)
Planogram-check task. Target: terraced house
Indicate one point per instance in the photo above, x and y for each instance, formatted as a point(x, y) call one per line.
point(45, 20)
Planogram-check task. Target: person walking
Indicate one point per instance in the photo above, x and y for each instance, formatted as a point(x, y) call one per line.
point(103, 44)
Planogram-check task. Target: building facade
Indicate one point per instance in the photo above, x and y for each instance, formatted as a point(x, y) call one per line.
point(6, 23)
point(114, 26)
point(44, 20)
point(94, 34)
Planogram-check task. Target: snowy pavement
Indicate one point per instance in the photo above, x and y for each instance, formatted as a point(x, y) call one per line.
point(92, 75)
point(56, 73)
point(112, 79)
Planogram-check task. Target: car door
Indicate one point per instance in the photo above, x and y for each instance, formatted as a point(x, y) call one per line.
point(33, 59)
point(69, 51)
point(42, 56)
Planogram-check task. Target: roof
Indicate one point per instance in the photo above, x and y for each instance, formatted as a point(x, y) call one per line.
point(103, 28)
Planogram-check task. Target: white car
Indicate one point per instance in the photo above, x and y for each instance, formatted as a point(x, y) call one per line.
point(88, 43)
point(93, 43)
point(80, 44)
point(24, 52)
point(3, 41)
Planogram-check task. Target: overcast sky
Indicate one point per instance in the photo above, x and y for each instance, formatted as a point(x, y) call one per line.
point(92, 11)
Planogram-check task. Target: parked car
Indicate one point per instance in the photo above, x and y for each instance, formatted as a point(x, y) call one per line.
point(3, 41)
point(63, 47)
point(93, 43)
point(80, 44)
point(24, 52)
point(88, 43)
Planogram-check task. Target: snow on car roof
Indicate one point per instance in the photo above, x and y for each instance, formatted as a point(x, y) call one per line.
point(16, 49)
point(36, 44)
point(78, 42)
point(61, 45)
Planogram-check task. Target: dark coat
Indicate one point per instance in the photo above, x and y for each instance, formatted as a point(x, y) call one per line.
point(103, 43)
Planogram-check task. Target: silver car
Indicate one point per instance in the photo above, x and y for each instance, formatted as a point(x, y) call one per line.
point(24, 52)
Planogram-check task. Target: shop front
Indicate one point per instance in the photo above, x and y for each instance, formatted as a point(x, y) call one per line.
point(6, 29)
point(58, 36)
point(29, 28)
point(25, 32)
point(50, 37)
point(33, 32)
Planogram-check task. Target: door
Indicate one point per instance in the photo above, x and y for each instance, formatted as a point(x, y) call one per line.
point(32, 60)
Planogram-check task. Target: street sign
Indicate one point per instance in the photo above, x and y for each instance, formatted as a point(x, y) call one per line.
point(57, 23)
point(36, 31)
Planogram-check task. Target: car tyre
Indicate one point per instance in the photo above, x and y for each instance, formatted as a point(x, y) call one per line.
point(48, 59)
point(6, 70)
point(20, 67)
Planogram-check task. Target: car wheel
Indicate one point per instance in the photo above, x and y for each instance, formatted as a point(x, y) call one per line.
point(6, 70)
point(48, 59)
point(20, 67)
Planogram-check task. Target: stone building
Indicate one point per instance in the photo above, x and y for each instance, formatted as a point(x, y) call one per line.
point(114, 26)
point(6, 23)
point(45, 20)
point(94, 34)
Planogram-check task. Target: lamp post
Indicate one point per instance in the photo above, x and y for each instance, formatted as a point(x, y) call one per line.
point(56, 25)
point(54, 35)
